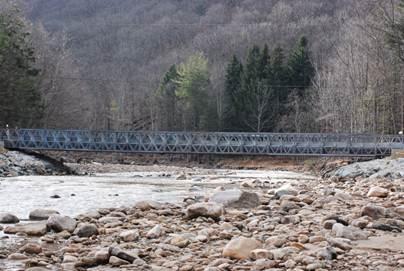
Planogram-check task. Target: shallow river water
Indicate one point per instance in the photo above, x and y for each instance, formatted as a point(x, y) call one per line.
point(79, 194)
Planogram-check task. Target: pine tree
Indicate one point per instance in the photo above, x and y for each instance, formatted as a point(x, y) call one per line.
point(257, 91)
point(301, 70)
point(252, 73)
point(168, 100)
point(234, 98)
point(265, 65)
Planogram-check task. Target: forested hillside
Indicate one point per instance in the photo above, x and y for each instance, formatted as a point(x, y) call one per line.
point(306, 65)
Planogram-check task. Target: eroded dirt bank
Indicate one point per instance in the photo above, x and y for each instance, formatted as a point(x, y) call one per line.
point(256, 223)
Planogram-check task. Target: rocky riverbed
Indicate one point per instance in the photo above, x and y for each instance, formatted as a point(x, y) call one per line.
point(256, 223)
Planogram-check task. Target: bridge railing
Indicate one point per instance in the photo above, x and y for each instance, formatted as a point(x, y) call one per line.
point(210, 143)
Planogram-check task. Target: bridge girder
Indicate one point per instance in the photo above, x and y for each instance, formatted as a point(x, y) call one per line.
point(276, 144)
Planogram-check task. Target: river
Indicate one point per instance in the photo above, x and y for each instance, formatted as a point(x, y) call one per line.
point(79, 194)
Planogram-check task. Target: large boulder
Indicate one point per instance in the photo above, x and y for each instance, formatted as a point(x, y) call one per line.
point(7, 218)
point(205, 209)
point(147, 205)
point(86, 230)
point(129, 235)
point(31, 229)
point(155, 232)
point(31, 248)
point(42, 214)
point(236, 199)
point(286, 189)
point(374, 211)
point(240, 248)
point(350, 233)
point(121, 254)
point(378, 192)
point(60, 223)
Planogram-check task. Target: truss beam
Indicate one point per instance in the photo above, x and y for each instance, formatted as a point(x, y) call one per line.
point(276, 144)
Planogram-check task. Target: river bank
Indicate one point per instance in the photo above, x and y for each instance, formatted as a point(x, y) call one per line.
point(15, 163)
point(309, 224)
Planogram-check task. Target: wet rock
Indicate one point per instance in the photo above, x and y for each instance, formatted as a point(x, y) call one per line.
point(42, 214)
point(204, 209)
point(236, 199)
point(31, 229)
point(350, 233)
point(378, 192)
point(129, 236)
point(86, 230)
point(7, 218)
point(285, 190)
point(240, 248)
point(374, 211)
point(31, 248)
point(60, 223)
point(37, 269)
point(155, 232)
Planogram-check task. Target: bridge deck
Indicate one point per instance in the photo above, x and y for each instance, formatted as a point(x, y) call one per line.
point(203, 143)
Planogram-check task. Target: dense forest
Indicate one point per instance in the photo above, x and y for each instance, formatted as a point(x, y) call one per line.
point(203, 65)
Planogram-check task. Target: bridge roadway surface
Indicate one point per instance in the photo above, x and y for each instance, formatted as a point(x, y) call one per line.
point(344, 145)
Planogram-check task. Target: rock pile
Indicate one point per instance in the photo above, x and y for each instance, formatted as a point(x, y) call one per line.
point(315, 225)
point(381, 168)
point(15, 163)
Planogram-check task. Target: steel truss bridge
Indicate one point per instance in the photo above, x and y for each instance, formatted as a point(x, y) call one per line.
point(279, 144)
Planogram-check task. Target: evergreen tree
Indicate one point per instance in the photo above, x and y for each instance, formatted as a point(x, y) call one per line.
point(20, 102)
point(265, 66)
point(301, 70)
point(257, 91)
point(168, 100)
point(279, 81)
point(234, 97)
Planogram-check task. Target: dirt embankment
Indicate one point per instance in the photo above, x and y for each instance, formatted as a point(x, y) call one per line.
point(116, 162)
